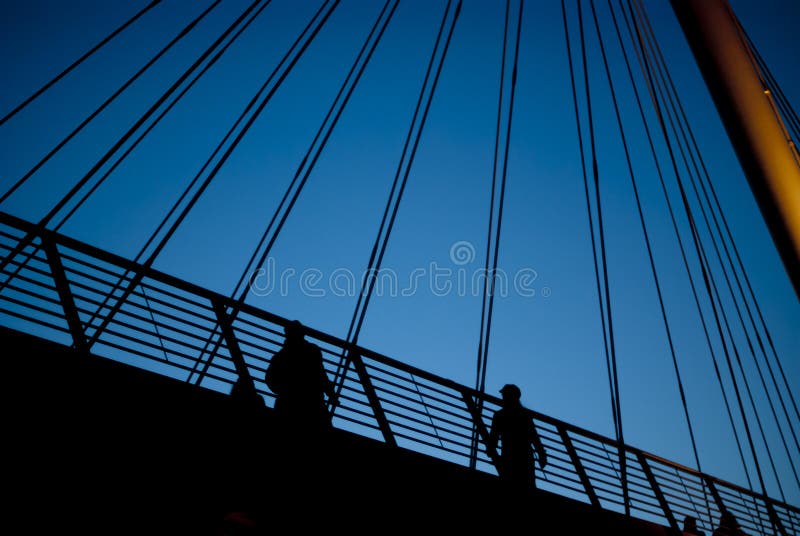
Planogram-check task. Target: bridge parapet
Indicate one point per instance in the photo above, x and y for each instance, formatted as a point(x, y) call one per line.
point(70, 292)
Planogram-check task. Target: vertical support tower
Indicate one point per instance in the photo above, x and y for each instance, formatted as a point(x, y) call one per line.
point(759, 137)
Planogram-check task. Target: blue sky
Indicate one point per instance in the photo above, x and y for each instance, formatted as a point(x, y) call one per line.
point(549, 343)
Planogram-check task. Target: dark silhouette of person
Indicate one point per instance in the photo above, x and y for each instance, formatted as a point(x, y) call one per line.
point(512, 426)
point(690, 526)
point(297, 377)
point(728, 526)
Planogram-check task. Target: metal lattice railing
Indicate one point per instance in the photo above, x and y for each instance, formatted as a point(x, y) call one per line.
point(67, 291)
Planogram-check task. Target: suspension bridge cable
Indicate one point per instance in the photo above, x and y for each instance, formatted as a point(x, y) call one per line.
point(153, 108)
point(492, 193)
point(738, 310)
point(590, 218)
point(144, 118)
point(399, 184)
point(659, 172)
point(36, 94)
point(796, 120)
point(672, 111)
point(324, 133)
point(208, 162)
point(664, 73)
point(487, 304)
point(401, 178)
point(759, 312)
point(636, 18)
point(167, 109)
point(501, 203)
point(304, 170)
point(183, 33)
point(609, 317)
point(401, 191)
point(398, 172)
point(729, 234)
point(236, 124)
point(76, 188)
point(152, 125)
point(792, 132)
point(727, 322)
point(646, 234)
point(744, 379)
point(317, 22)
point(28, 238)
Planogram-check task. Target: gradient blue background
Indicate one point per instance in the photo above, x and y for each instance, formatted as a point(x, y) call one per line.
point(551, 346)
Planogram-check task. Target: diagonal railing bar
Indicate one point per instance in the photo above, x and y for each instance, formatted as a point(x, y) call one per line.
point(425, 407)
point(244, 386)
point(480, 426)
point(576, 462)
point(372, 396)
point(775, 519)
point(65, 294)
point(665, 507)
point(691, 497)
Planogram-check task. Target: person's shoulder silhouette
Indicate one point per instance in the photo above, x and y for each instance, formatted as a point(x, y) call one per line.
point(728, 526)
point(690, 526)
point(297, 377)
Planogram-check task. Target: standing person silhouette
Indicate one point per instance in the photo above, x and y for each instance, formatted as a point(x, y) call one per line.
point(297, 377)
point(513, 426)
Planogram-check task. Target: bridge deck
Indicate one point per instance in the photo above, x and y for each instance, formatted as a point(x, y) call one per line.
point(95, 444)
point(62, 289)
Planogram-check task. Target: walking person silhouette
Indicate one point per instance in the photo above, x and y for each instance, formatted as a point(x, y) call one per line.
point(513, 427)
point(297, 377)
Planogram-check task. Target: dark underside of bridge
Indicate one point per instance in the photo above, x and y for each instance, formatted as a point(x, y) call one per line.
point(96, 446)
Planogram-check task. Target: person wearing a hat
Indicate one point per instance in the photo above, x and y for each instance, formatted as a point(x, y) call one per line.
point(512, 426)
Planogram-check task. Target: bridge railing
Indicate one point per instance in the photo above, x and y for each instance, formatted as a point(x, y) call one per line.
point(71, 292)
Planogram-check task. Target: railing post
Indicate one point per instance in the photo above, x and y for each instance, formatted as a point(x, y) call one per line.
point(65, 294)
point(576, 462)
point(477, 420)
point(372, 397)
point(244, 387)
point(773, 516)
point(715, 493)
point(673, 523)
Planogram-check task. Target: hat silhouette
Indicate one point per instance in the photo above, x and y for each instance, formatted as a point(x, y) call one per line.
point(511, 390)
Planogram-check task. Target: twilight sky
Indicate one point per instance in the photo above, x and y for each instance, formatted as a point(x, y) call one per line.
point(546, 334)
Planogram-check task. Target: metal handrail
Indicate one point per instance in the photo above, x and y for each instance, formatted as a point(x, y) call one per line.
point(403, 404)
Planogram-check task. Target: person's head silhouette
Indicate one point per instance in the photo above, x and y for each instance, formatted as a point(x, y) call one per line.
point(727, 521)
point(294, 331)
point(690, 524)
point(511, 394)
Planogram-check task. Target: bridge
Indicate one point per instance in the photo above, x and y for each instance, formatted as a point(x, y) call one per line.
point(163, 327)
point(147, 391)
